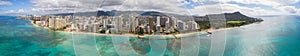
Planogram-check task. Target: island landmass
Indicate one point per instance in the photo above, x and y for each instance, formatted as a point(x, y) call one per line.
point(139, 24)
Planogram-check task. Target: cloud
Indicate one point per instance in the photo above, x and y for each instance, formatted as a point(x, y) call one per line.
point(298, 13)
point(20, 11)
point(220, 1)
point(86, 5)
point(3, 3)
point(288, 9)
point(14, 12)
point(160, 5)
point(229, 8)
point(257, 2)
point(59, 6)
point(199, 7)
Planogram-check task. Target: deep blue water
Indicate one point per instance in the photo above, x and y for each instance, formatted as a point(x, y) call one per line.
point(276, 36)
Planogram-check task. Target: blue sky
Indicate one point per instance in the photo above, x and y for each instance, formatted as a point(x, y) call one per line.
point(296, 4)
point(17, 4)
point(201, 7)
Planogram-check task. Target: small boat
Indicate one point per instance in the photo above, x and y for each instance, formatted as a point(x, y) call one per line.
point(141, 37)
point(208, 32)
point(208, 35)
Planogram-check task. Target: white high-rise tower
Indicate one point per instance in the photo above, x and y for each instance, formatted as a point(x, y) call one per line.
point(158, 23)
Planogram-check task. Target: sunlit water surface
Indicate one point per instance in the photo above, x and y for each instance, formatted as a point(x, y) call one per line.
point(275, 36)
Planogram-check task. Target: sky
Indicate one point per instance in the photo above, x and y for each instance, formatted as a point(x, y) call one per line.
point(185, 7)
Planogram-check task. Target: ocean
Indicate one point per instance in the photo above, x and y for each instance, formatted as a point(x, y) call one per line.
point(275, 36)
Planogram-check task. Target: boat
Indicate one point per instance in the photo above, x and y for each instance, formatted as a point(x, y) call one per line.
point(141, 37)
point(209, 33)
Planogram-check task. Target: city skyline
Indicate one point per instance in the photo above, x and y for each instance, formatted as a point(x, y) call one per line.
point(121, 24)
point(147, 23)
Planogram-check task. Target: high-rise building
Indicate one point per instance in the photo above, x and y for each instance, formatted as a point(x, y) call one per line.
point(167, 23)
point(181, 25)
point(192, 25)
point(68, 18)
point(40, 23)
point(157, 23)
point(118, 24)
point(148, 29)
point(163, 21)
point(104, 21)
point(134, 24)
point(174, 22)
point(152, 23)
point(57, 23)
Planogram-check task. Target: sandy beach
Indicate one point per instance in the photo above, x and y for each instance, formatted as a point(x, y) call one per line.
point(145, 36)
point(164, 36)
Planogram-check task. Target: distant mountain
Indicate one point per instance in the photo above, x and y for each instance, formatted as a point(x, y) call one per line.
point(97, 13)
point(236, 16)
point(227, 16)
point(111, 13)
point(62, 14)
point(153, 13)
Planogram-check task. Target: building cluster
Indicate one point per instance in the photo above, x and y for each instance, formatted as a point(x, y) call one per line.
point(116, 24)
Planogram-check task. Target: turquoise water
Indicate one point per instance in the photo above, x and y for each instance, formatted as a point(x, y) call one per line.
point(276, 36)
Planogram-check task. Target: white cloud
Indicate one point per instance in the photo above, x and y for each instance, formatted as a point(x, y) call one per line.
point(229, 8)
point(298, 13)
point(15, 11)
point(221, 1)
point(174, 6)
point(257, 2)
point(92, 5)
point(223, 6)
point(20, 11)
point(10, 11)
point(5, 3)
point(288, 9)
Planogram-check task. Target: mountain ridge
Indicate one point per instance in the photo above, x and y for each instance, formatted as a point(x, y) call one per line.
point(228, 16)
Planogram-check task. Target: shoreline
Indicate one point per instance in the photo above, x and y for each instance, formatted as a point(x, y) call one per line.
point(161, 36)
point(145, 36)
